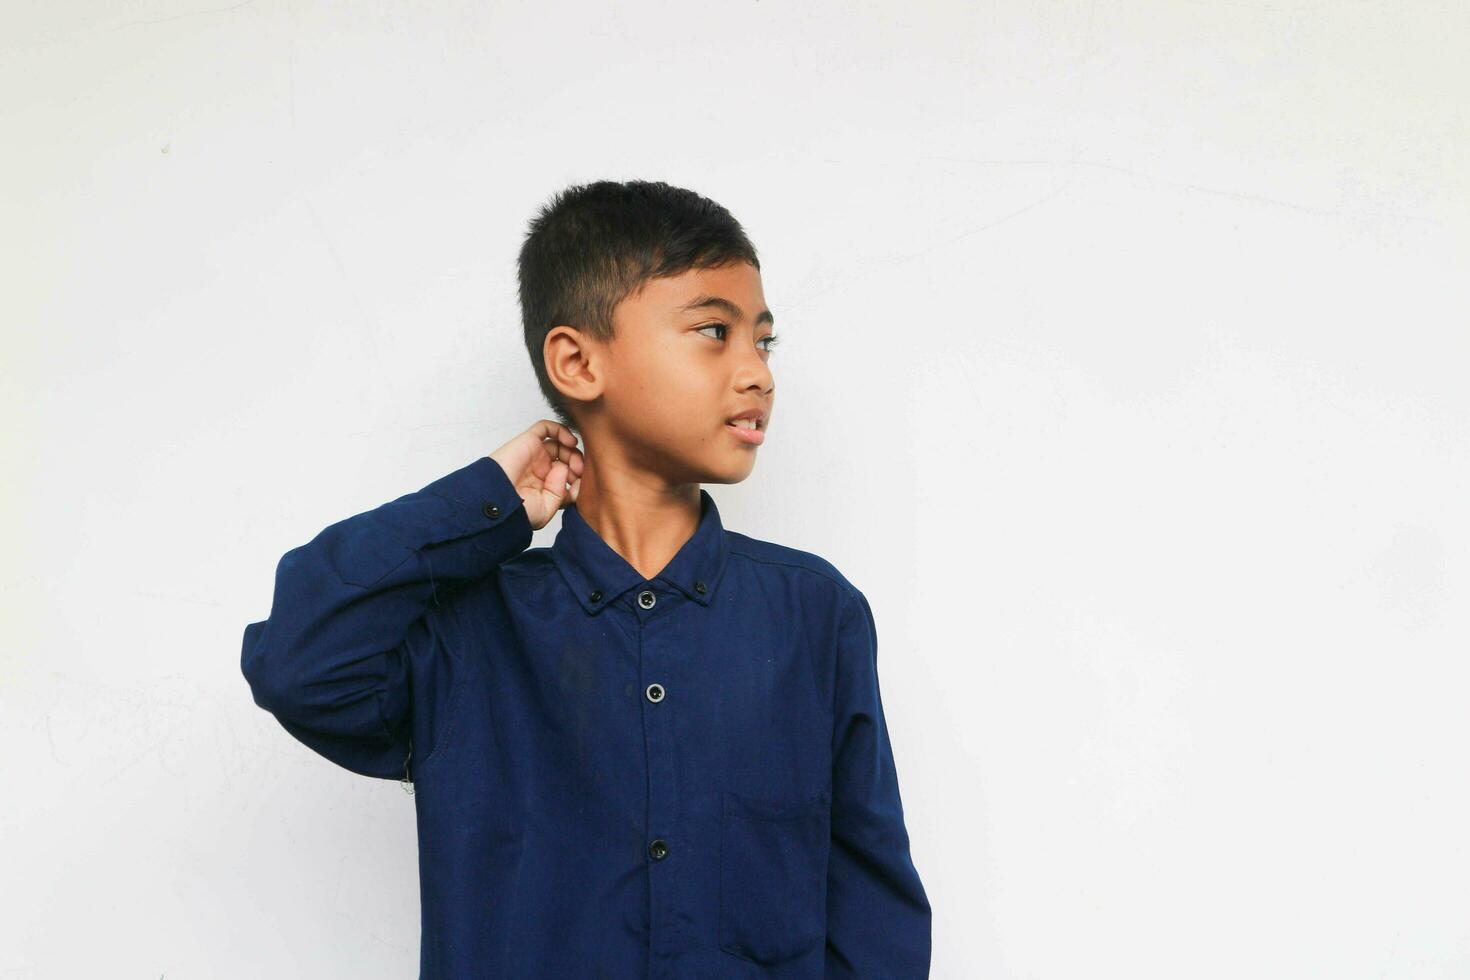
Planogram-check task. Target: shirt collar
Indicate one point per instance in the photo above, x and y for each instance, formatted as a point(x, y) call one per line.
point(598, 575)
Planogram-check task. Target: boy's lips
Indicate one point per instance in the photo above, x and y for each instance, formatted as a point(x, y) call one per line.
point(756, 415)
point(750, 435)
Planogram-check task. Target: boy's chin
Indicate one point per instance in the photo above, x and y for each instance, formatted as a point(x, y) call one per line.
point(729, 471)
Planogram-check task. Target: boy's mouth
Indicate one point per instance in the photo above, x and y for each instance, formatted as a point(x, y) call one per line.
point(753, 418)
point(749, 427)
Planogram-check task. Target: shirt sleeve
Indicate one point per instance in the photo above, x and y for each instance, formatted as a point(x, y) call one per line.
point(350, 612)
point(878, 915)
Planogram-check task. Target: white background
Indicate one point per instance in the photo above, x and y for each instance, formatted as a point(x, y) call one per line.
point(1124, 367)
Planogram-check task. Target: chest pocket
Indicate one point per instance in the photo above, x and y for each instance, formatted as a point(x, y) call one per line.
point(773, 875)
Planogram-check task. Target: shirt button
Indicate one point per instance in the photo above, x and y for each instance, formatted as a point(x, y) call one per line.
point(491, 511)
point(596, 596)
point(699, 587)
point(658, 850)
point(646, 599)
point(655, 693)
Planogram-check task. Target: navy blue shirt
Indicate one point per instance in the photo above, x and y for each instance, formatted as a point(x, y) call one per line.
point(688, 776)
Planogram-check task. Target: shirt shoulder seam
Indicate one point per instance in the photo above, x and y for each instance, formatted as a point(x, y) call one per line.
point(838, 579)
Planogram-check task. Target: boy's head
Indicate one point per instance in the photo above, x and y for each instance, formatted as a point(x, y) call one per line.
point(647, 326)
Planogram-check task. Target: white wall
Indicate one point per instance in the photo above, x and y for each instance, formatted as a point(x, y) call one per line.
point(1123, 367)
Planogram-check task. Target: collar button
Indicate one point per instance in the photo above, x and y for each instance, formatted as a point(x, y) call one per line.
point(596, 596)
point(699, 587)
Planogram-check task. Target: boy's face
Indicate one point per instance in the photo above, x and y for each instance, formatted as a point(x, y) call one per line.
point(689, 353)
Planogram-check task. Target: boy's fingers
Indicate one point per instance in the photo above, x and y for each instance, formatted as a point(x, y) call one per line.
point(547, 454)
point(545, 429)
point(560, 448)
point(556, 482)
point(555, 462)
point(552, 429)
point(568, 455)
point(575, 464)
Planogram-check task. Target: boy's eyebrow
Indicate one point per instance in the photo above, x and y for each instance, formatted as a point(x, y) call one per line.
point(720, 302)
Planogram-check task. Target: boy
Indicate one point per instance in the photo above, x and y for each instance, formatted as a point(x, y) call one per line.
point(655, 749)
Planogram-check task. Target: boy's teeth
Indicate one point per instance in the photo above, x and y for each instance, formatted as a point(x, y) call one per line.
point(742, 423)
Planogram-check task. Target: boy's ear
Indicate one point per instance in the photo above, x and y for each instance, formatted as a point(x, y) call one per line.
point(572, 361)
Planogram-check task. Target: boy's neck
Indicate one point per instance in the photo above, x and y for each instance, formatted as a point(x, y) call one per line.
point(643, 520)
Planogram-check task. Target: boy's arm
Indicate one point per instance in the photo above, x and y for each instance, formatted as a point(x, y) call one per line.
point(878, 916)
point(332, 661)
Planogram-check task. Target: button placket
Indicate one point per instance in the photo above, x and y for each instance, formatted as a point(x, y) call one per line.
point(657, 645)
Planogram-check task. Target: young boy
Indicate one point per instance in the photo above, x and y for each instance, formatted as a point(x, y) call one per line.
point(655, 749)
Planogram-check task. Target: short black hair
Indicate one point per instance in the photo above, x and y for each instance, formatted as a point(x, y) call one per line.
point(593, 244)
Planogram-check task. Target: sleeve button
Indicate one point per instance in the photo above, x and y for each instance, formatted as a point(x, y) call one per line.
point(492, 511)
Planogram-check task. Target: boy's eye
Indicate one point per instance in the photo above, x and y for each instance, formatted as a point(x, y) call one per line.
point(714, 326)
point(769, 339)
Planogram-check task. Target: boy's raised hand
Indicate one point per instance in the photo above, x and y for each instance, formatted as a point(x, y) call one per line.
point(541, 462)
